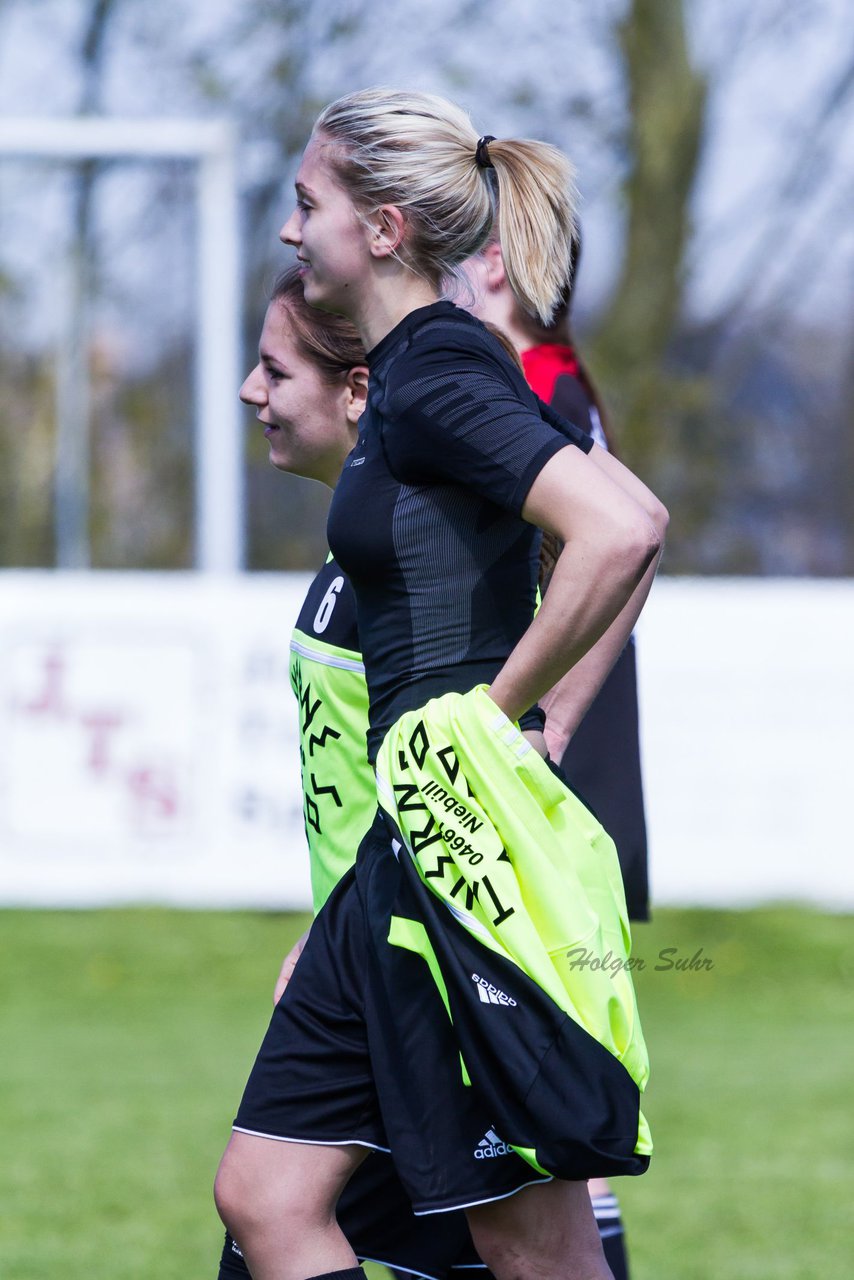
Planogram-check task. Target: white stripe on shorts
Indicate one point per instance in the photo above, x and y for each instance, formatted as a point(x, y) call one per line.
point(312, 1142)
point(471, 1204)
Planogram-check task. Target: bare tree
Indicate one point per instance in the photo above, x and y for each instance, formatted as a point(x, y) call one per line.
point(73, 400)
point(667, 99)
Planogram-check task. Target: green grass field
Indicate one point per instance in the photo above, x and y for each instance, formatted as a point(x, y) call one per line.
point(126, 1037)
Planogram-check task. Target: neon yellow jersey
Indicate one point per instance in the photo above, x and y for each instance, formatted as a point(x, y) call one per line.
point(328, 679)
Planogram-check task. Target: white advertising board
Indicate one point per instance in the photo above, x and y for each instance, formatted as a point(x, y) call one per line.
point(148, 740)
point(747, 715)
point(148, 744)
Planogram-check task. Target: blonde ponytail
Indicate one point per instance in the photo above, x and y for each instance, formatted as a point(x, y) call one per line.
point(536, 221)
point(421, 153)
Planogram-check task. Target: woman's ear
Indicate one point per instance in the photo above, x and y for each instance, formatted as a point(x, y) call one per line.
point(495, 272)
point(357, 393)
point(388, 227)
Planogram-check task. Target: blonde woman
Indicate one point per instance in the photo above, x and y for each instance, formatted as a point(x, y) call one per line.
point(435, 522)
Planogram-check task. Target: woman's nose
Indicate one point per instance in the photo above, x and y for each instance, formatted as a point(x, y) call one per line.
point(252, 391)
point(289, 233)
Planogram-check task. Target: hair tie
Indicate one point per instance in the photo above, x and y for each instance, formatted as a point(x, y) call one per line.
point(481, 155)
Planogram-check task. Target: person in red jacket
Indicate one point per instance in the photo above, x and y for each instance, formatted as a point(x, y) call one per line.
point(600, 756)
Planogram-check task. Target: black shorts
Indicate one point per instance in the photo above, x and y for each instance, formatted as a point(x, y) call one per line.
point(376, 1216)
point(361, 1050)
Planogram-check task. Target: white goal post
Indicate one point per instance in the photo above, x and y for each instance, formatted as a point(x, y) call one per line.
point(211, 144)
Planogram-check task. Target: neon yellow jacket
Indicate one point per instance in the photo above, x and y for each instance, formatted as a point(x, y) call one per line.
point(527, 871)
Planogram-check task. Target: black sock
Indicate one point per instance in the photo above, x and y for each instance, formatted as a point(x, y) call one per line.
point(606, 1210)
point(351, 1273)
point(231, 1264)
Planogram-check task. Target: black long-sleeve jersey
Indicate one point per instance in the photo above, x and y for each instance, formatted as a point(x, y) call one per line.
point(425, 519)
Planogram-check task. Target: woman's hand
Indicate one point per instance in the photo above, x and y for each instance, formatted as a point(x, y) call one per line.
point(537, 740)
point(288, 965)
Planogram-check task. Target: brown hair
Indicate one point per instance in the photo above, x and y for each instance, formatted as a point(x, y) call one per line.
point(330, 342)
point(559, 333)
point(507, 343)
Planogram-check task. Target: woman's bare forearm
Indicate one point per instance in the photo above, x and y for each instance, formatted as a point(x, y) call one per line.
point(612, 543)
point(587, 595)
point(568, 701)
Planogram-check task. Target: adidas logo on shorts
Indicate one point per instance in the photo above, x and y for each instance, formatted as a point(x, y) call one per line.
point(490, 994)
point(491, 1146)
